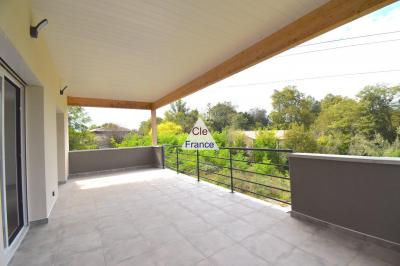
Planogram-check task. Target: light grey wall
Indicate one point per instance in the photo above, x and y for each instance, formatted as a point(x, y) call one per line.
point(61, 148)
point(361, 194)
point(109, 159)
point(35, 153)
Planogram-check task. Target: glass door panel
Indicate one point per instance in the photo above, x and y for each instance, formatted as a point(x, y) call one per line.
point(12, 159)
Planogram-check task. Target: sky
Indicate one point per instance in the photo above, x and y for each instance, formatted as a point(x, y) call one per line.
point(313, 71)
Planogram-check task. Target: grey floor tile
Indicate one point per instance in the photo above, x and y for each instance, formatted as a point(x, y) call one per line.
point(238, 230)
point(144, 259)
point(211, 242)
point(275, 213)
point(115, 233)
point(218, 217)
point(123, 220)
point(206, 262)
point(301, 258)
point(70, 245)
point(125, 249)
point(32, 258)
point(236, 256)
point(176, 254)
point(260, 220)
point(87, 258)
point(366, 260)
point(330, 250)
point(384, 254)
point(162, 235)
point(238, 210)
point(193, 226)
point(267, 246)
point(290, 233)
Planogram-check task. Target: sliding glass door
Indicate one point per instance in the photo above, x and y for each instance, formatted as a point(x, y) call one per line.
point(12, 158)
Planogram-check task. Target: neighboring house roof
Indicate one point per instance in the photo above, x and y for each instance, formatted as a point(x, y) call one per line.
point(107, 129)
point(279, 134)
point(250, 134)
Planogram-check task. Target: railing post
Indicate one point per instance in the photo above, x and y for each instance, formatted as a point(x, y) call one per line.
point(231, 168)
point(177, 160)
point(198, 166)
point(163, 156)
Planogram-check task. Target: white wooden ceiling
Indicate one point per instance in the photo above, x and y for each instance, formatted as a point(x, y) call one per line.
point(142, 50)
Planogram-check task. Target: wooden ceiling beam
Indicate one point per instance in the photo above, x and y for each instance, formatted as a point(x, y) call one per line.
point(327, 17)
point(93, 102)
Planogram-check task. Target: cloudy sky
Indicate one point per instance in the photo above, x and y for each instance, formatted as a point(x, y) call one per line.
point(318, 67)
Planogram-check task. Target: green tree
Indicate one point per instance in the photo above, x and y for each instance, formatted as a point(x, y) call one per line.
point(133, 139)
point(379, 111)
point(168, 127)
point(78, 118)
point(300, 139)
point(220, 116)
point(145, 126)
point(259, 117)
point(182, 115)
point(290, 106)
point(80, 138)
point(335, 124)
point(243, 120)
point(361, 145)
point(394, 149)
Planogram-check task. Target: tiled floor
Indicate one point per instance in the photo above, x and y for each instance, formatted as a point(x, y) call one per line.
point(155, 217)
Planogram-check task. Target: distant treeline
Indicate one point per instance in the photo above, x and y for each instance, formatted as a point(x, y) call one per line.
point(366, 125)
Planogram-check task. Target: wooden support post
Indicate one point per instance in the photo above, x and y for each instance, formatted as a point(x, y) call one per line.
point(154, 126)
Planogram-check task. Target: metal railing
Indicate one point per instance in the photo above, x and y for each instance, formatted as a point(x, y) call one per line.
point(263, 173)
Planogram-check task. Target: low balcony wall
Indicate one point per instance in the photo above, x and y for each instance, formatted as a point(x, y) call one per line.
point(358, 193)
point(86, 161)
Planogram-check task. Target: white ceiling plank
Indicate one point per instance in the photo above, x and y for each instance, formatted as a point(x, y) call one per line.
point(141, 50)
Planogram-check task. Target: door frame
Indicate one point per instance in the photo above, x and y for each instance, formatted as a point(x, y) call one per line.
point(10, 248)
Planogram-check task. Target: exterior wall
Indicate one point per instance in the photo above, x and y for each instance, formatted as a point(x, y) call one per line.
point(109, 159)
point(35, 153)
point(358, 193)
point(37, 68)
point(61, 162)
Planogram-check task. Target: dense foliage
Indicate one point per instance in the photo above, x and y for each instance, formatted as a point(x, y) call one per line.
point(366, 125)
point(80, 138)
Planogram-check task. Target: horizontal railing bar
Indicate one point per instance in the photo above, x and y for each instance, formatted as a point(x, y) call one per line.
point(245, 161)
point(174, 161)
point(226, 167)
point(255, 193)
point(215, 173)
point(254, 162)
point(255, 183)
point(184, 153)
point(180, 159)
point(218, 182)
point(258, 173)
point(216, 157)
point(242, 148)
point(236, 169)
point(186, 173)
point(170, 162)
point(259, 149)
point(236, 160)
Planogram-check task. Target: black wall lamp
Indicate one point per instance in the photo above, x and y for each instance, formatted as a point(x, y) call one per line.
point(62, 91)
point(34, 30)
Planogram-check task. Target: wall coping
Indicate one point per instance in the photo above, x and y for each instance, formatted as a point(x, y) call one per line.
point(347, 158)
point(115, 149)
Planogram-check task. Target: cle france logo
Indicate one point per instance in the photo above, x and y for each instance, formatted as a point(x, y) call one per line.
point(200, 138)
